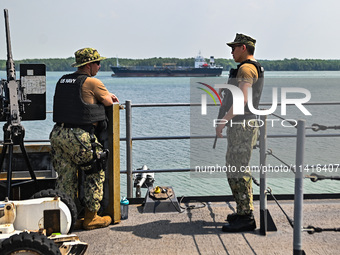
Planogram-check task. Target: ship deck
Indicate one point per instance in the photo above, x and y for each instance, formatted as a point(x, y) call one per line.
point(198, 231)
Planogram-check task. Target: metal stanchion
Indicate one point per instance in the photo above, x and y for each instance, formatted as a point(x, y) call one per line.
point(263, 175)
point(129, 177)
point(298, 200)
point(266, 220)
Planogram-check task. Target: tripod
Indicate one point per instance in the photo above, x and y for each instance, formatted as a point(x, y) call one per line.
point(14, 135)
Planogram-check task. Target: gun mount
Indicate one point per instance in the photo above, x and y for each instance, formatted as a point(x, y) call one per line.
point(23, 99)
point(143, 180)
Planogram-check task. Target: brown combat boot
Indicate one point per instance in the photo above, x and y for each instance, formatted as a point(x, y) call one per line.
point(93, 221)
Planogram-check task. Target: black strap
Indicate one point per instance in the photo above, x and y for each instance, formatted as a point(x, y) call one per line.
point(88, 128)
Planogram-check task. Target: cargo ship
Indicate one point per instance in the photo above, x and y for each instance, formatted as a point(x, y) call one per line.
point(201, 69)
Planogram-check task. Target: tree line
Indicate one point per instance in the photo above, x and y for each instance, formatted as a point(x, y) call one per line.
point(294, 64)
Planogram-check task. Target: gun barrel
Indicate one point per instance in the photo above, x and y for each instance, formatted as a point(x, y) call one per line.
point(10, 62)
point(215, 141)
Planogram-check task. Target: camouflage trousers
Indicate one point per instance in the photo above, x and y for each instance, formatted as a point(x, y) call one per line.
point(241, 139)
point(71, 147)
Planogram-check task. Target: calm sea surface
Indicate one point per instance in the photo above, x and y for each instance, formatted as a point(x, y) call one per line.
point(175, 121)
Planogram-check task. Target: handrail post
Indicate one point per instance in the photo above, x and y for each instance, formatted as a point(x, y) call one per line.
point(298, 194)
point(129, 176)
point(263, 175)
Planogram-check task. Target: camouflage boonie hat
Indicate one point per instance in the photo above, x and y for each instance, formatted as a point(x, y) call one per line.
point(242, 39)
point(85, 56)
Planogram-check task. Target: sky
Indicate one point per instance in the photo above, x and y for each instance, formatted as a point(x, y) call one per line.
point(305, 29)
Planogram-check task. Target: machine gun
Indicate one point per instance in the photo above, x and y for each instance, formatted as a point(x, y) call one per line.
point(16, 104)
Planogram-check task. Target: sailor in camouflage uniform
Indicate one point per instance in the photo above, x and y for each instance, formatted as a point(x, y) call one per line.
point(242, 133)
point(79, 113)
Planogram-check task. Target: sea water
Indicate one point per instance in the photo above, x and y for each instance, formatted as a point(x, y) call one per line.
point(175, 121)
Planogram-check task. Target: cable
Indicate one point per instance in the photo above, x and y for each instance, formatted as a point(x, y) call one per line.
point(291, 222)
point(178, 209)
point(290, 122)
point(317, 127)
point(270, 152)
point(311, 230)
point(317, 177)
point(191, 207)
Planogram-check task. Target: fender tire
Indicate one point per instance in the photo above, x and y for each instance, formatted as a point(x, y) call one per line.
point(64, 198)
point(33, 242)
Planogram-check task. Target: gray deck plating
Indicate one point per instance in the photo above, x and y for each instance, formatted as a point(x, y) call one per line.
point(199, 232)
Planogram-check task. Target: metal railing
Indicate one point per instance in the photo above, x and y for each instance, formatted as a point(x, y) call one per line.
point(129, 139)
point(297, 223)
point(300, 147)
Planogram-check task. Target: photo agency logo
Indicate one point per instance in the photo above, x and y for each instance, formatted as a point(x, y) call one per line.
point(204, 97)
point(239, 106)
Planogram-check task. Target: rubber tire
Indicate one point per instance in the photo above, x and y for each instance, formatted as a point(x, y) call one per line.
point(64, 198)
point(33, 242)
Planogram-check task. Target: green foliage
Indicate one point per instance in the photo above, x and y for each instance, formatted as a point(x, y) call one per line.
point(52, 64)
point(294, 64)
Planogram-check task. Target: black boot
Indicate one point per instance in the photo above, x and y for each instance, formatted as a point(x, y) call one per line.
point(231, 217)
point(240, 224)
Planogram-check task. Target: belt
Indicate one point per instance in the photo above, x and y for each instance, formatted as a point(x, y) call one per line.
point(87, 127)
point(244, 117)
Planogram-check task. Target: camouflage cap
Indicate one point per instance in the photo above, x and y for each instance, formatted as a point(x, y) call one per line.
point(242, 39)
point(85, 56)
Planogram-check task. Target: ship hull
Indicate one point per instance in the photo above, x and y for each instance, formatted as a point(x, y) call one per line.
point(191, 72)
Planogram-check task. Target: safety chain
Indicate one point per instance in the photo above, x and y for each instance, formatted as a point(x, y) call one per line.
point(317, 127)
point(311, 229)
point(317, 177)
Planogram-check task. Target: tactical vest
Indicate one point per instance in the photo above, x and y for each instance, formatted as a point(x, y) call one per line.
point(68, 105)
point(256, 87)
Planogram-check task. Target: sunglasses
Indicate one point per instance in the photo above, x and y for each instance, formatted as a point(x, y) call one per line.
point(96, 62)
point(233, 47)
